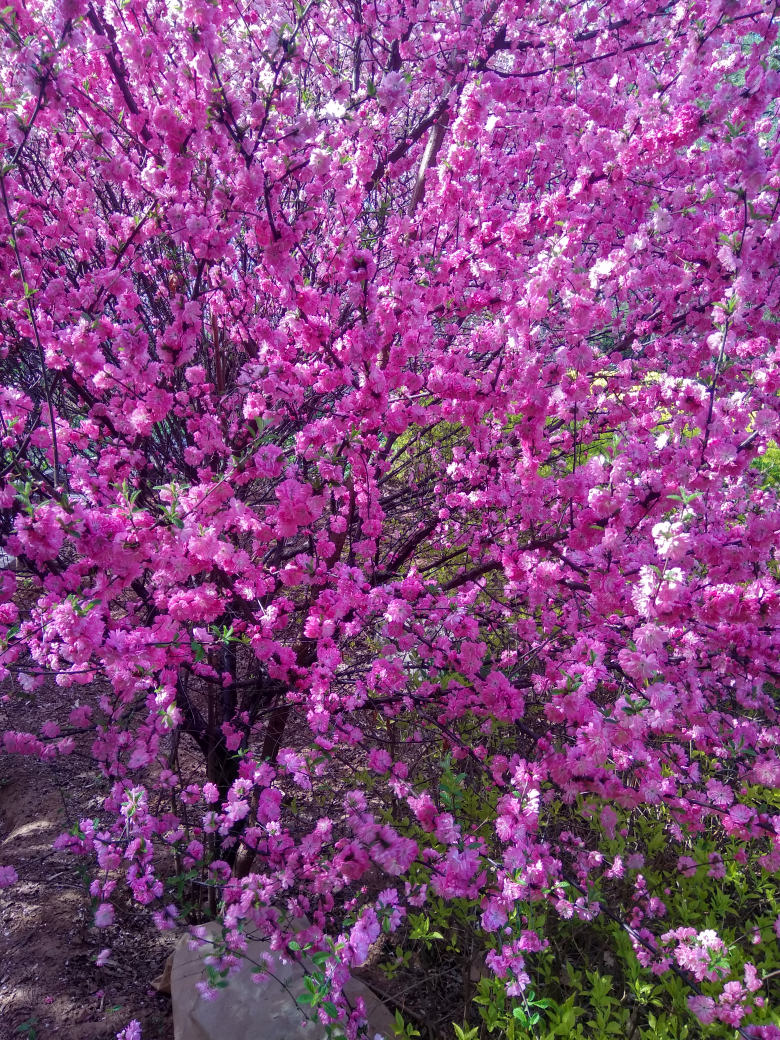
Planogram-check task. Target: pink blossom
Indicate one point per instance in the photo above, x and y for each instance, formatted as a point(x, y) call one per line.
point(394, 855)
point(609, 819)
point(104, 915)
point(392, 90)
point(717, 868)
point(752, 981)
point(741, 814)
point(424, 809)
point(8, 877)
point(132, 1031)
point(446, 829)
point(207, 991)
point(363, 934)
point(379, 760)
point(703, 1008)
point(687, 866)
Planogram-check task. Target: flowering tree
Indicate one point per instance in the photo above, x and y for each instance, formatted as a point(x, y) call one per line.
point(384, 392)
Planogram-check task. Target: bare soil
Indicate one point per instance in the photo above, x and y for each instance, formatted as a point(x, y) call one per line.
point(50, 986)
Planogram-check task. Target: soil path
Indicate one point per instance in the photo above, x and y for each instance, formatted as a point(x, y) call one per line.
point(50, 986)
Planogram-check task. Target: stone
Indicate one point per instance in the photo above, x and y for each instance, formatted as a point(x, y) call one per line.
point(247, 1011)
point(163, 982)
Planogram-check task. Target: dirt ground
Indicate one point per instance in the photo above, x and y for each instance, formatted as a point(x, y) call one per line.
point(50, 985)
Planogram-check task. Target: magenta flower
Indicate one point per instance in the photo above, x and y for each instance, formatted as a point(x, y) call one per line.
point(8, 877)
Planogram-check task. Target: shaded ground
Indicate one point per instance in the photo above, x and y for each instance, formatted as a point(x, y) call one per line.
point(50, 985)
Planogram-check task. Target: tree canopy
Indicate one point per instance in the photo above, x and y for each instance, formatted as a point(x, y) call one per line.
point(388, 394)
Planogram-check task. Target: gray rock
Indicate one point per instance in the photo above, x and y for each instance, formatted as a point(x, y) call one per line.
point(247, 1011)
point(163, 981)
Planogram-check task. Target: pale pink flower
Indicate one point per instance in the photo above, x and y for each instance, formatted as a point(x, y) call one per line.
point(104, 915)
point(703, 1008)
point(132, 1031)
point(8, 877)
